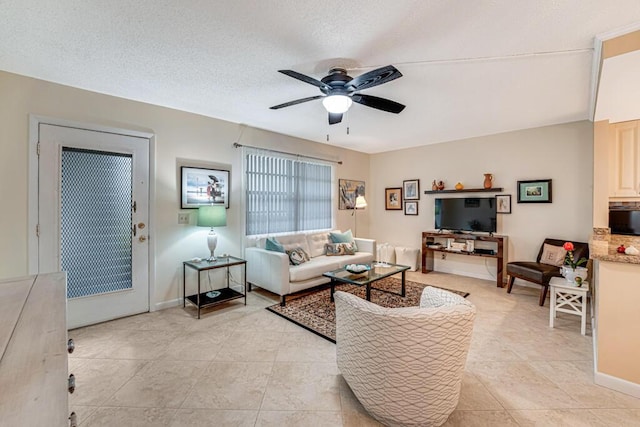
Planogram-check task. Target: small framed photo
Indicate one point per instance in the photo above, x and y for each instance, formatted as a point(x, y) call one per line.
point(393, 199)
point(411, 189)
point(534, 191)
point(503, 203)
point(201, 187)
point(411, 208)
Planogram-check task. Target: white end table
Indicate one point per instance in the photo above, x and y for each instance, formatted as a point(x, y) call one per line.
point(566, 298)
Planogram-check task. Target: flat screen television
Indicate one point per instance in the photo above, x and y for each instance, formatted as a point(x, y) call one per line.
point(466, 214)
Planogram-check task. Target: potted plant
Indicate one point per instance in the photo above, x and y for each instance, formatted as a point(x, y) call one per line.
point(571, 268)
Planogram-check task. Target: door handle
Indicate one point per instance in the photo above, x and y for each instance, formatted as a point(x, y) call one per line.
point(142, 239)
point(71, 383)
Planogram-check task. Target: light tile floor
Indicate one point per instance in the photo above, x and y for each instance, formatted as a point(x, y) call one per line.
point(244, 366)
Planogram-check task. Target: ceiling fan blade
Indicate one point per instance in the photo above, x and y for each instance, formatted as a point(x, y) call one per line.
point(306, 79)
point(378, 103)
point(374, 78)
point(335, 118)
point(297, 101)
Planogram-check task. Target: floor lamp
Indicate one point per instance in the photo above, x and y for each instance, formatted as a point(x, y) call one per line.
point(361, 203)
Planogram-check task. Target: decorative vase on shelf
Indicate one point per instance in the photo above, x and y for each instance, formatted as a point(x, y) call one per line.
point(488, 180)
point(459, 186)
point(570, 274)
point(434, 186)
point(440, 185)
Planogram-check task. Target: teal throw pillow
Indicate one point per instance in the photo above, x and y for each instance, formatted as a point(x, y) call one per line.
point(345, 237)
point(272, 244)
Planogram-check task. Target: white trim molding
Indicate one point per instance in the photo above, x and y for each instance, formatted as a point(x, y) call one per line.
point(166, 304)
point(32, 189)
point(617, 384)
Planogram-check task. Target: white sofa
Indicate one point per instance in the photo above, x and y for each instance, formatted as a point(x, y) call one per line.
point(272, 271)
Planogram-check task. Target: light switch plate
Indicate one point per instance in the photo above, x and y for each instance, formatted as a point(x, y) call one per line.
point(183, 218)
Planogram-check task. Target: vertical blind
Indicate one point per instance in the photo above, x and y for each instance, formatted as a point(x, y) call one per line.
point(286, 194)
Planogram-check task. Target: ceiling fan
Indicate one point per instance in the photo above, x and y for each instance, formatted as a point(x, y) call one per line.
point(339, 91)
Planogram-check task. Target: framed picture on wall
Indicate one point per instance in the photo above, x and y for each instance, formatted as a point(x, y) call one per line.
point(411, 189)
point(201, 187)
point(411, 208)
point(393, 199)
point(503, 203)
point(534, 191)
point(348, 190)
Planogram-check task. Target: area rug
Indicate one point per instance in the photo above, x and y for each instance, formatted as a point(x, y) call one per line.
point(315, 311)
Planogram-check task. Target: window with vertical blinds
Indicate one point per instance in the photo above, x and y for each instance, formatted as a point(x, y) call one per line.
point(286, 194)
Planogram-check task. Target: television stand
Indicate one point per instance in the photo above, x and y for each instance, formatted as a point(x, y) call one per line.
point(429, 247)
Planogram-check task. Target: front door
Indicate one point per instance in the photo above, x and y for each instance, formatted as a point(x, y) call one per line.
point(93, 220)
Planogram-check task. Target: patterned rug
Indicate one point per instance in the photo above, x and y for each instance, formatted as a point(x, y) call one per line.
point(315, 311)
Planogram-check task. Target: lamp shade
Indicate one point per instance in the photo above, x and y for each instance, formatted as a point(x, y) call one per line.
point(361, 203)
point(212, 216)
point(337, 103)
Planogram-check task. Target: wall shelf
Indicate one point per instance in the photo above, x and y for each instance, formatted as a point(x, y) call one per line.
point(466, 190)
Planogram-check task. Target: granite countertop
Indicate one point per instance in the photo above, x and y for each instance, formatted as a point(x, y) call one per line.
point(604, 248)
point(627, 259)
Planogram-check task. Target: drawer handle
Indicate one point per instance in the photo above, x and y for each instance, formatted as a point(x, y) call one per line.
point(71, 345)
point(73, 420)
point(72, 383)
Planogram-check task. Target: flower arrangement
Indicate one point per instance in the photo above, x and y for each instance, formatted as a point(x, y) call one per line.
point(569, 259)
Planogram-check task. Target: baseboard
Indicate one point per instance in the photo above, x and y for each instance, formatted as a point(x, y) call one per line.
point(617, 384)
point(167, 304)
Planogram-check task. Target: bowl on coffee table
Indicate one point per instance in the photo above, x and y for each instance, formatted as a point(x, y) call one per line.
point(357, 268)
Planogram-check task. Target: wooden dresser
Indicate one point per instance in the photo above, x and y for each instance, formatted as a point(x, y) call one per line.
point(34, 379)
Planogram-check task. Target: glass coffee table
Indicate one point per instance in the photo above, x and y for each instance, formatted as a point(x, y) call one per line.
point(378, 271)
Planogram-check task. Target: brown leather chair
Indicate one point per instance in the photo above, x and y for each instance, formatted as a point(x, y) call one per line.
point(540, 273)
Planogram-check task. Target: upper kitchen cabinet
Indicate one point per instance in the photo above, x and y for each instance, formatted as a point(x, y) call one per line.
point(624, 157)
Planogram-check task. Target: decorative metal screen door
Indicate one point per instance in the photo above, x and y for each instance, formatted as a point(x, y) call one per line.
point(93, 209)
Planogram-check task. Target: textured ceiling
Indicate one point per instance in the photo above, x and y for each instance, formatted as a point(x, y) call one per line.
point(470, 68)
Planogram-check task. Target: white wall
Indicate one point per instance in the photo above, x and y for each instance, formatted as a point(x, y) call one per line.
point(619, 88)
point(181, 139)
point(563, 153)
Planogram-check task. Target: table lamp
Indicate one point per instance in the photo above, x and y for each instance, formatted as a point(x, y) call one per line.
point(361, 203)
point(212, 216)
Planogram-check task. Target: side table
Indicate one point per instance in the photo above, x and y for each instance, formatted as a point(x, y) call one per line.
point(201, 299)
point(566, 298)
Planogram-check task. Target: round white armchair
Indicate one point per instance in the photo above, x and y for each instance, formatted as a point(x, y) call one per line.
point(405, 365)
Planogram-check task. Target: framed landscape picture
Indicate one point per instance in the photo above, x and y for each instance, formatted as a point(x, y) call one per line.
point(201, 187)
point(348, 190)
point(393, 199)
point(534, 191)
point(411, 189)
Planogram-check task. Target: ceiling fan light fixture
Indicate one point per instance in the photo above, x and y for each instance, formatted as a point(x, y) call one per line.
point(337, 103)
